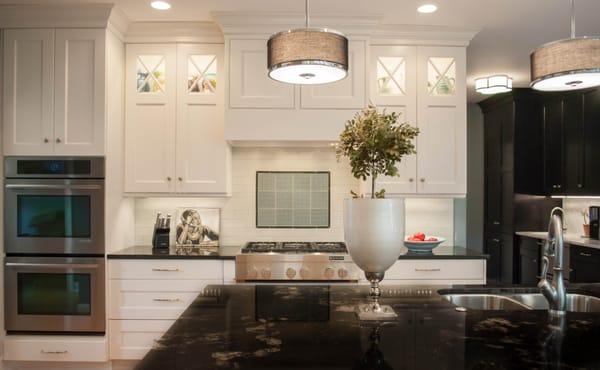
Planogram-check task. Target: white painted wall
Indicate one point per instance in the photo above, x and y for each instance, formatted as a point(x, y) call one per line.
point(433, 216)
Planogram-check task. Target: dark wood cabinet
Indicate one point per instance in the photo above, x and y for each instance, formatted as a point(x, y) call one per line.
point(584, 264)
point(514, 176)
point(591, 142)
point(529, 260)
point(553, 115)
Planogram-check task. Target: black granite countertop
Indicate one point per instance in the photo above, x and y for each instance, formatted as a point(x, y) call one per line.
point(147, 252)
point(229, 253)
point(314, 327)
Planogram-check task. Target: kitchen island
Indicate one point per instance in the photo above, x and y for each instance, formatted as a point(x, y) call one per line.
point(314, 327)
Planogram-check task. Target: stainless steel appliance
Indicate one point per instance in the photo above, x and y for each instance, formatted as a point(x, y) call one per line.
point(54, 205)
point(299, 261)
point(54, 268)
point(594, 222)
point(54, 294)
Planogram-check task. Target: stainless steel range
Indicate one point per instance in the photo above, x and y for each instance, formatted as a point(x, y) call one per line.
point(300, 261)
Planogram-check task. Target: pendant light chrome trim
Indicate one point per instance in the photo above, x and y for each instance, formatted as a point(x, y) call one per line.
point(292, 59)
point(578, 56)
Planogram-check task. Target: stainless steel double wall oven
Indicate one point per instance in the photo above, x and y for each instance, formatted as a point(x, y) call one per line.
point(54, 268)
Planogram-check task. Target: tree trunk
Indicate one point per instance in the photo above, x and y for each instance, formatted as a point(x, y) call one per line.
point(373, 177)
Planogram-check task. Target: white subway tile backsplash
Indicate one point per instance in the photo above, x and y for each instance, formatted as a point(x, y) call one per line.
point(238, 218)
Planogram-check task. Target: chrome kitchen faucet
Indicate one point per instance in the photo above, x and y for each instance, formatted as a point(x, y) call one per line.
point(554, 291)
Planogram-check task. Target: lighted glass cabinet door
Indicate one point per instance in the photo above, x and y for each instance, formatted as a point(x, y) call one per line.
point(150, 117)
point(201, 151)
point(442, 119)
point(393, 88)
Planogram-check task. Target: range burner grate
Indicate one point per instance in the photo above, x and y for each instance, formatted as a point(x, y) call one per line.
point(295, 247)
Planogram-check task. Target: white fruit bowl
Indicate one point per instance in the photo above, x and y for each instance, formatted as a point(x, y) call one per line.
point(424, 246)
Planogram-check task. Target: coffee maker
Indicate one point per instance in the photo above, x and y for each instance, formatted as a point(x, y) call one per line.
point(594, 222)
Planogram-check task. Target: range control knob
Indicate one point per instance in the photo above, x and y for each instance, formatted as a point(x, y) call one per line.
point(342, 273)
point(329, 273)
point(265, 273)
point(304, 273)
point(252, 273)
point(290, 273)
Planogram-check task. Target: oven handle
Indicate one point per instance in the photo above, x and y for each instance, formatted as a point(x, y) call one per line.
point(47, 186)
point(54, 265)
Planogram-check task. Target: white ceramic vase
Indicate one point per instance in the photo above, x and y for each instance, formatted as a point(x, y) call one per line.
point(374, 235)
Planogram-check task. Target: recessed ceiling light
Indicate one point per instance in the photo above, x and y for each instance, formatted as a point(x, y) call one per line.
point(160, 5)
point(427, 8)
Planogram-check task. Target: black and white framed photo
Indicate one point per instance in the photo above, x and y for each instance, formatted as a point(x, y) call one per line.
point(198, 227)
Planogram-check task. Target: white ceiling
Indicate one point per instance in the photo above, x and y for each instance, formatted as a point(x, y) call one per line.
point(509, 28)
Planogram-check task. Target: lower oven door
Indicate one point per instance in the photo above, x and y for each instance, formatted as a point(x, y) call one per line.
point(54, 295)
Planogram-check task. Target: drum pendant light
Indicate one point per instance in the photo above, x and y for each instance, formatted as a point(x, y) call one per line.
point(568, 64)
point(307, 56)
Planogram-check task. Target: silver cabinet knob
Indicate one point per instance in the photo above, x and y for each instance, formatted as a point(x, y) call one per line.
point(422, 179)
point(168, 178)
point(180, 178)
point(411, 180)
point(58, 140)
point(46, 140)
point(579, 186)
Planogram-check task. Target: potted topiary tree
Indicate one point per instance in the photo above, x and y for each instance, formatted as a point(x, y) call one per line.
point(374, 143)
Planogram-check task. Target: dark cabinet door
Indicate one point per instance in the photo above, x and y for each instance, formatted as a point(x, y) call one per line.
point(493, 169)
point(573, 144)
point(553, 145)
point(584, 264)
point(529, 261)
point(493, 247)
point(591, 152)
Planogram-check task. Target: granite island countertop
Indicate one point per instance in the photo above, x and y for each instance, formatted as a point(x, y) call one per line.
point(229, 253)
point(314, 327)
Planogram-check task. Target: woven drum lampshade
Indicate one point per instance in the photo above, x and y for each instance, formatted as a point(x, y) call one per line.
point(566, 64)
point(307, 56)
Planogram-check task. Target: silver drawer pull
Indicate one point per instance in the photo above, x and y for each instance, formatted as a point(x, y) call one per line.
point(428, 270)
point(165, 269)
point(496, 222)
point(585, 254)
point(54, 352)
point(166, 299)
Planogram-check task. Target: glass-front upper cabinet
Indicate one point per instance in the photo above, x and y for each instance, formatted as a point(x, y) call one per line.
point(393, 75)
point(199, 73)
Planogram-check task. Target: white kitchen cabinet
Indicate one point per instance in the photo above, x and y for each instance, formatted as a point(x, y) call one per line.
point(54, 92)
point(147, 296)
point(174, 126)
point(349, 93)
point(249, 84)
point(28, 91)
point(79, 91)
point(55, 348)
point(150, 93)
point(437, 272)
point(427, 86)
point(442, 120)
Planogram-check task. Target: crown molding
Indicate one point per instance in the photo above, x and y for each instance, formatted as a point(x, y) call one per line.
point(71, 15)
point(267, 23)
point(118, 23)
point(422, 35)
point(167, 32)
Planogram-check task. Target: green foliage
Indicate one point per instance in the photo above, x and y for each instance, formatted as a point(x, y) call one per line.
point(375, 143)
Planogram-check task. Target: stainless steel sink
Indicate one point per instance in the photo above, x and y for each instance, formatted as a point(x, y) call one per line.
point(485, 302)
point(575, 302)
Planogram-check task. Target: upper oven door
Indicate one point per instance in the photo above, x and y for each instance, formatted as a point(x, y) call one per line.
point(54, 294)
point(44, 216)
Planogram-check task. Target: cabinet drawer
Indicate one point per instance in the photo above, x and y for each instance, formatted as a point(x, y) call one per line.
point(438, 271)
point(147, 299)
point(165, 269)
point(55, 348)
point(132, 339)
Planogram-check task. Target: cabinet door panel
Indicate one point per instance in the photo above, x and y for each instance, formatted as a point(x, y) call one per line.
point(493, 247)
point(591, 152)
point(28, 91)
point(348, 93)
point(553, 145)
point(203, 155)
point(249, 84)
point(150, 118)
point(442, 156)
point(79, 91)
point(393, 77)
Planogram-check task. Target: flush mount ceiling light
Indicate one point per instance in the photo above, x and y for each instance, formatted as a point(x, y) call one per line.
point(160, 5)
point(568, 64)
point(427, 8)
point(493, 84)
point(308, 56)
